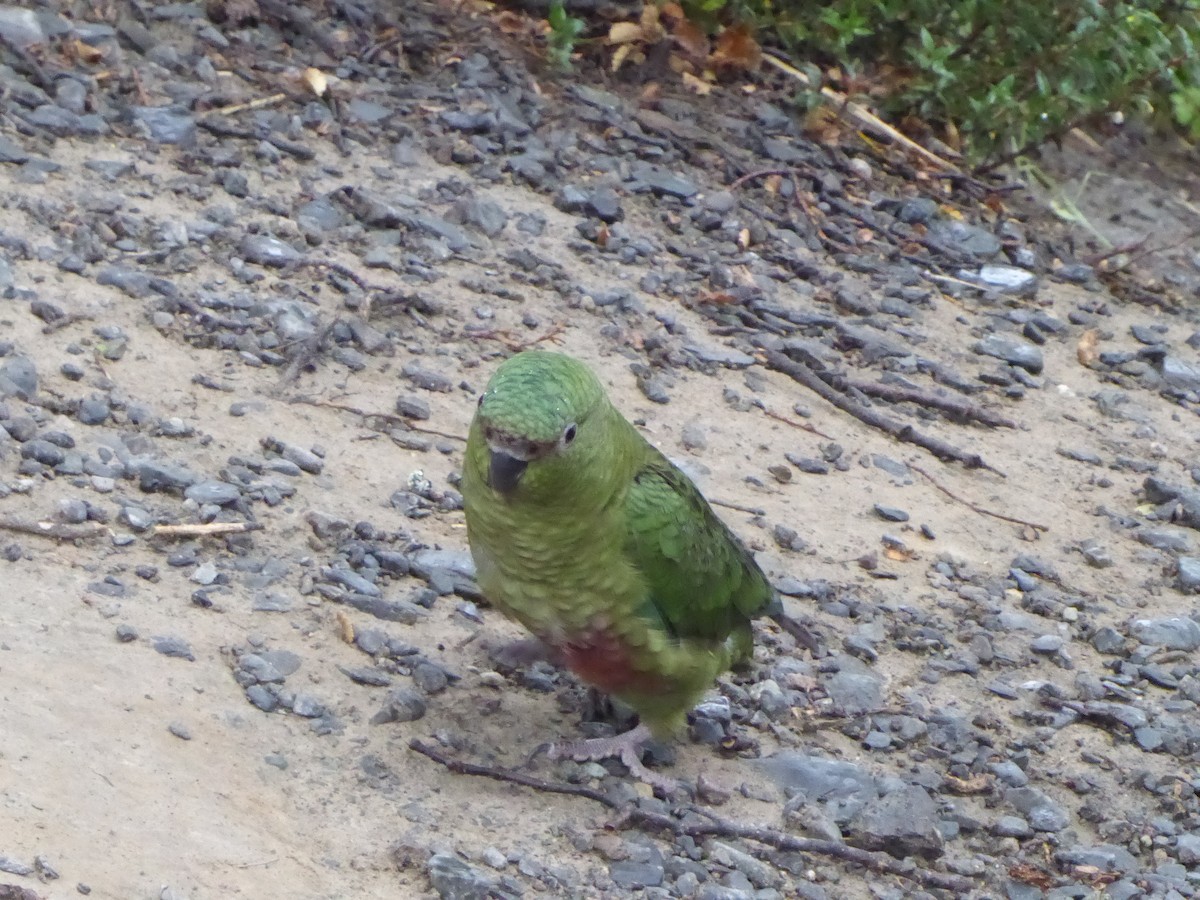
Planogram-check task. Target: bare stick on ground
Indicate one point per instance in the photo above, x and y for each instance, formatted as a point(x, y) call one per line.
point(56, 530)
point(819, 383)
point(973, 507)
point(714, 827)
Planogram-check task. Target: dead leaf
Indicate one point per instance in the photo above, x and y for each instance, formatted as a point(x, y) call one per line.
point(980, 783)
point(345, 627)
point(737, 49)
point(691, 39)
point(697, 86)
point(625, 51)
point(316, 81)
point(899, 554)
point(743, 238)
point(1031, 875)
point(1086, 350)
point(625, 33)
point(510, 22)
point(86, 52)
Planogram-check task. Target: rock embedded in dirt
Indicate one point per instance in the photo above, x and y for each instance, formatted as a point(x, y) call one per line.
point(402, 704)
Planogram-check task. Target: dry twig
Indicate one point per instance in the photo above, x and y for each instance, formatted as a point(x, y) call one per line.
point(861, 115)
point(57, 530)
point(955, 406)
point(973, 507)
point(803, 426)
point(825, 385)
point(206, 529)
point(368, 414)
point(715, 826)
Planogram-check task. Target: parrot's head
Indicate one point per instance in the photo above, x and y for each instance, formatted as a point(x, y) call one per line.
point(534, 417)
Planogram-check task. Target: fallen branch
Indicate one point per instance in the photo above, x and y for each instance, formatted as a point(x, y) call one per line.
point(259, 103)
point(203, 530)
point(803, 426)
point(716, 826)
point(749, 510)
point(973, 507)
point(963, 409)
point(368, 414)
point(292, 148)
point(56, 530)
point(514, 343)
point(861, 115)
point(819, 383)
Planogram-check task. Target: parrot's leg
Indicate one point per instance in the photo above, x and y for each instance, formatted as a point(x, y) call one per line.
point(626, 747)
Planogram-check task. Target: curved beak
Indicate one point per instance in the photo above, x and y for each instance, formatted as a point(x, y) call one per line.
point(504, 471)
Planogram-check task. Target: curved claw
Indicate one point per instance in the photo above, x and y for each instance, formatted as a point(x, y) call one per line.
point(625, 747)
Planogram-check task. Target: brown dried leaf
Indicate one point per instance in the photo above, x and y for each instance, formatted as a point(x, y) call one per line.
point(652, 28)
point(899, 554)
point(737, 49)
point(697, 86)
point(510, 22)
point(743, 239)
point(1085, 350)
point(1031, 875)
point(315, 80)
point(345, 627)
point(976, 784)
point(86, 52)
point(625, 33)
point(691, 39)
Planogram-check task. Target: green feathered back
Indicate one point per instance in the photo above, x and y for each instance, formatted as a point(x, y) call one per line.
point(605, 550)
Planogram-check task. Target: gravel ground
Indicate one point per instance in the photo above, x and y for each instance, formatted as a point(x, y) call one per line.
point(241, 333)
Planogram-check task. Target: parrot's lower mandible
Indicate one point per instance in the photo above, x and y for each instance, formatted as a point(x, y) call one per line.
point(595, 542)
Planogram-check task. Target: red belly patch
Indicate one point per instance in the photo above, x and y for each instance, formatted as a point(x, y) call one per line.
point(603, 660)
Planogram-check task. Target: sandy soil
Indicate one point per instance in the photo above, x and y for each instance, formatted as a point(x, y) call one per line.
point(257, 805)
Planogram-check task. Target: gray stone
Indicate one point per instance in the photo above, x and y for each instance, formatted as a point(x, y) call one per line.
point(454, 879)
point(843, 787)
point(1007, 280)
point(220, 493)
point(166, 124)
point(722, 356)
point(1187, 848)
point(1189, 574)
point(632, 875)
point(18, 378)
point(403, 704)
point(1105, 857)
point(154, 475)
point(1012, 350)
point(173, 646)
point(265, 250)
point(21, 27)
point(1180, 375)
point(1174, 633)
point(1107, 640)
point(854, 693)
point(1012, 826)
point(903, 823)
point(1039, 810)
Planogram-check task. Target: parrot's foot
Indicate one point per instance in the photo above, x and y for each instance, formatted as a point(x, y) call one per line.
point(626, 747)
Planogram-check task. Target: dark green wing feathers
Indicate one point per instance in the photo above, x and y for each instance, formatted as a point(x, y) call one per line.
point(703, 582)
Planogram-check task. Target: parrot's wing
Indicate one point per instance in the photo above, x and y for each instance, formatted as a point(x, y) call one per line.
point(703, 582)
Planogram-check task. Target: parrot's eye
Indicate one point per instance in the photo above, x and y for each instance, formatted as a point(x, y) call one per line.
point(569, 433)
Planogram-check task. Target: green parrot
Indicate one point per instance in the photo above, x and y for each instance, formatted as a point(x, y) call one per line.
point(604, 550)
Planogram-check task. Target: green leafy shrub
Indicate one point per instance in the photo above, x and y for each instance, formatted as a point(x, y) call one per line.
point(1008, 74)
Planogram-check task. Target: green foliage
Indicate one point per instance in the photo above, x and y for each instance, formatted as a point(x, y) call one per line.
point(564, 32)
point(1007, 74)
